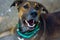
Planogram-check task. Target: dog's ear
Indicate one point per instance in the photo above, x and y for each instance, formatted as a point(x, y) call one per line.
point(43, 8)
point(17, 2)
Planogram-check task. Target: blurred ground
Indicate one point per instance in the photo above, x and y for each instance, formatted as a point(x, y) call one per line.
point(9, 18)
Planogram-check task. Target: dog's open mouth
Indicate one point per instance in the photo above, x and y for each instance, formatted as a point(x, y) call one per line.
point(30, 23)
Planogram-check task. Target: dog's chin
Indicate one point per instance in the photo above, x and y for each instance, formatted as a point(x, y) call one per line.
point(30, 23)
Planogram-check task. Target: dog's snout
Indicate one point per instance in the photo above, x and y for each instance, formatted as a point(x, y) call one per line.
point(33, 14)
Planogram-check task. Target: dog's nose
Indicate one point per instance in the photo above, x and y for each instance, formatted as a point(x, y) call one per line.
point(33, 14)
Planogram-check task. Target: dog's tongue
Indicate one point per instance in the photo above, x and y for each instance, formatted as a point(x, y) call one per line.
point(31, 22)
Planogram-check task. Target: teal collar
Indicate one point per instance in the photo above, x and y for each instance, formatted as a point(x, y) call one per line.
point(27, 34)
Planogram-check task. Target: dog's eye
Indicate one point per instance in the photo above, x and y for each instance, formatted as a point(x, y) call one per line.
point(37, 7)
point(26, 6)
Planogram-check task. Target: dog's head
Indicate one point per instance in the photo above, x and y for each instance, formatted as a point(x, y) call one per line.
point(29, 13)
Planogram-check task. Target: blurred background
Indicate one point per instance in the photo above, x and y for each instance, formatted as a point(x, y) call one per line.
point(9, 16)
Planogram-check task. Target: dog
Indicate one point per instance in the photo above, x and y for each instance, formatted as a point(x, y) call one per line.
point(32, 13)
point(29, 15)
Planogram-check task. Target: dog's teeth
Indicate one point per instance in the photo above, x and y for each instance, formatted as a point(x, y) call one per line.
point(26, 21)
point(31, 26)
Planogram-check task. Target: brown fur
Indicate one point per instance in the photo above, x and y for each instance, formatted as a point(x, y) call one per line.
point(52, 31)
point(53, 26)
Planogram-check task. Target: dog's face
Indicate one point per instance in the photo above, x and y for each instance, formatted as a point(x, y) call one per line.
point(29, 13)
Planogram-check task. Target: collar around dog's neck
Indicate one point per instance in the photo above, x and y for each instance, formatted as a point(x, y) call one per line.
point(27, 34)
